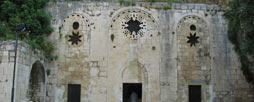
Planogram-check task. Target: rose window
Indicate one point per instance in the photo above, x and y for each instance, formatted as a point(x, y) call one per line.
point(134, 26)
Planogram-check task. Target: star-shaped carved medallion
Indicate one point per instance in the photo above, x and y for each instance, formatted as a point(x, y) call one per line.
point(75, 38)
point(133, 26)
point(193, 39)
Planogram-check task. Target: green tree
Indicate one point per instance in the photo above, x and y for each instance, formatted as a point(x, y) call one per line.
point(240, 15)
point(2, 29)
point(36, 20)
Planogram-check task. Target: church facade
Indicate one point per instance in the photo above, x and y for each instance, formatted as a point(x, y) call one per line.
point(107, 51)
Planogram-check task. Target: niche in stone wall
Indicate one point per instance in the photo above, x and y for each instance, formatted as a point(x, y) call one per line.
point(135, 79)
point(133, 24)
point(36, 91)
point(192, 30)
point(194, 57)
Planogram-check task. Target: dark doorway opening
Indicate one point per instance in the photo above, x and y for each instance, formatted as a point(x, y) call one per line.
point(74, 91)
point(36, 90)
point(194, 93)
point(131, 90)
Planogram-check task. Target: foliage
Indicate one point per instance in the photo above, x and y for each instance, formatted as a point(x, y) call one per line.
point(159, 33)
point(48, 72)
point(240, 15)
point(121, 1)
point(36, 20)
point(127, 3)
point(153, 48)
point(112, 36)
point(60, 32)
point(152, 0)
point(66, 36)
point(2, 29)
point(174, 1)
point(166, 7)
point(72, 0)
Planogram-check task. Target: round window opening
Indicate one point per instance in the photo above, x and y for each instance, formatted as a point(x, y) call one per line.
point(134, 26)
point(75, 25)
point(192, 27)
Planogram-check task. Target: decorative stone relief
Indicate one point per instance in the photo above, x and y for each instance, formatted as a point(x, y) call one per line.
point(193, 39)
point(194, 55)
point(75, 29)
point(192, 27)
point(133, 23)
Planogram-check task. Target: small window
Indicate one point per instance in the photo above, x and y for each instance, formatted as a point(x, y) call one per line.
point(133, 26)
point(75, 25)
point(194, 93)
point(192, 27)
point(74, 91)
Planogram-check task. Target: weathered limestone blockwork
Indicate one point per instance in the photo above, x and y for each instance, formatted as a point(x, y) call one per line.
point(102, 45)
point(26, 58)
point(229, 84)
point(193, 56)
point(157, 54)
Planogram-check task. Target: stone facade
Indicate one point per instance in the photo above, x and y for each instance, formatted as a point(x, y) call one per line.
point(101, 46)
point(29, 66)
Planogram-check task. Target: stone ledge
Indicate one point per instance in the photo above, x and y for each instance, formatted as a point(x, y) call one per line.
point(196, 6)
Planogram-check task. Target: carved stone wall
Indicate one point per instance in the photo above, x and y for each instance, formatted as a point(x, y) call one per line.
point(135, 34)
point(103, 45)
point(26, 57)
point(194, 60)
point(73, 51)
point(165, 50)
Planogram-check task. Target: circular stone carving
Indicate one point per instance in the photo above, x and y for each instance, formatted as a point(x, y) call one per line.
point(134, 23)
point(134, 26)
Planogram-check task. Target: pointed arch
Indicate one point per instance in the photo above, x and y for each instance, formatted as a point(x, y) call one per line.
point(144, 77)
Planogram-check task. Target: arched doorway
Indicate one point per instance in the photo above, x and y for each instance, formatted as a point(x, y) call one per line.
point(134, 79)
point(36, 91)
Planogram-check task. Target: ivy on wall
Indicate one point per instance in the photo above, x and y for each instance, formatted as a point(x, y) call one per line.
point(240, 15)
point(36, 20)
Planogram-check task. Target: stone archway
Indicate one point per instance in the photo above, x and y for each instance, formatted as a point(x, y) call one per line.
point(194, 67)
point(135, 74)
point(36, 91)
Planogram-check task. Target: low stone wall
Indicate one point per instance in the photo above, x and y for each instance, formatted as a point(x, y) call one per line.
point(26, 57)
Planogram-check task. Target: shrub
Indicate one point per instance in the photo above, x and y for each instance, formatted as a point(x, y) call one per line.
point(36, 20)
point(240, 15)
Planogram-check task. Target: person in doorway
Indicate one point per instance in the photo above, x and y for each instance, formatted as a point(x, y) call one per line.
point(134, 97)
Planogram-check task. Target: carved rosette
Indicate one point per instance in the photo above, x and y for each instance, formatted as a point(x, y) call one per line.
point(133, 23)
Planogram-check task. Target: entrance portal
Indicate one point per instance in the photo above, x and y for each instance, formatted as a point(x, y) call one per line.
point(36, 92)
point(194, 93)
point(74, 92)
point(132, 92)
